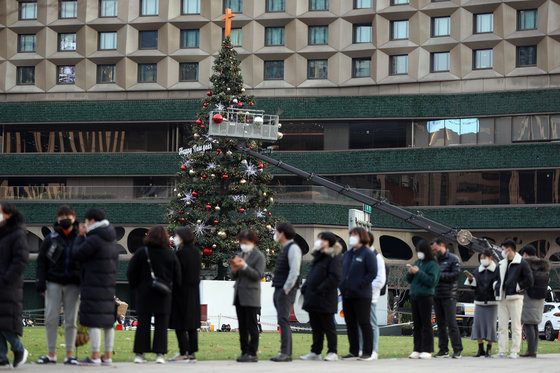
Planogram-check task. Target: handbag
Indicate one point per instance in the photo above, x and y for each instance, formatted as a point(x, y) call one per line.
point(158, 285)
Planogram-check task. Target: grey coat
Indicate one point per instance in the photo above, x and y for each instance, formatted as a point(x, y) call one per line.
point(533, 308)
point(247, 288)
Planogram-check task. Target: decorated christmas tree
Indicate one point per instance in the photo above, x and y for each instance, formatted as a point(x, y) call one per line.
point(221, 191)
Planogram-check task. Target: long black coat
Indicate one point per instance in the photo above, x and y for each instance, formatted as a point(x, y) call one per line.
point(98, 255)
point(320, 290)
point(14, 254)
point(166, 268)
point(185, 314)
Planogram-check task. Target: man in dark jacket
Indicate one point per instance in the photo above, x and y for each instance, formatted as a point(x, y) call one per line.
point(58, 279)
point(14, 254)
point(96, 250)
point(445, 300)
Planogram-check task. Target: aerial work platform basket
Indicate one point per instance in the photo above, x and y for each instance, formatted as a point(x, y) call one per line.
point(245, 124)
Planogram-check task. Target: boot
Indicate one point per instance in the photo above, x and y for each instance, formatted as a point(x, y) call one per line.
point(480, 350)
point(489, 350)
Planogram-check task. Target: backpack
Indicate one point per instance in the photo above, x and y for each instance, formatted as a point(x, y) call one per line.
point(384, 288)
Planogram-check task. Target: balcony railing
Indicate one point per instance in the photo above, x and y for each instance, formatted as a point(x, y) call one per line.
point(62, 192)
point(318, 194)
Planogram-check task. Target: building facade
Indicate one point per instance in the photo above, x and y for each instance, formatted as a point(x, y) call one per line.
point(451, 108)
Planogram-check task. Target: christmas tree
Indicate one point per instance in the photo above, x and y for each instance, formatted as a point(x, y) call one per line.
point(221, 191)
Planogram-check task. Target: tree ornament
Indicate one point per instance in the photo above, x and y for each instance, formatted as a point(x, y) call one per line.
point(218, 151)
point(212, 175)
point(244, 162)
point(209, 93)
point(251, 147)
point(279, 125)
point(269, 214)
point(241, 210)
point(196, 136)
point(235, 101)
point(280, 135)
point(265, 194)
point(191, 172)
point(222, 234)
point(217, 208)
point(271, 199)
point(208, 207)
point(183, 219)
point(198, 221)
point(229, 153)
point(242, 181)
point(183, 167)
point(225, 176)
point(258, 121)
point(205, 104)
point(202, 126)
point(198, 122)
point(242, 90)
point(207, 252)
point(218, 118)
point(194, 194)
point(214, 246)
point(252, 103)
point(204, 176)
point(268, 227)
point(216, 222)
point(260, 165)
point(228, 89)
point(181, 212)
point(240, 104)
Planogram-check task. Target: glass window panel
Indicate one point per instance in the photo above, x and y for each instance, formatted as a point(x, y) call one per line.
point(147, 73)
point(236, 37)
point(527, 56)
point(149, 8)
point(441, 26)
point(188, 72)
point(318, 4)
point(273, 70)
point(399, 30)
point(469, 130)
point(274, 36)
point(555, 127)
point(317, 69)
point(362, 33)
point(484, 23)
point(540, 128)
point(452, 131)
point(107, 40)
point(483, 59)
point(436, 132)
point(318, 35)
point(66, 42)
point(363, 4)
point(421, 136)
point(108, 8)
point(27, 43)
point(527, 19)
point(68, 9)
point(236, 6)
point(191, 6)
point(486, 131)
point(361, 67)
point(275, 5)
point(521, 130)
point(399, 2)
point(190, 38)
point(398, 65)
point(27, 10)
point(106, 73)
point(440, 61)
point(503, 130)
point(148, 39)
point(66, 74)
point(25, 75)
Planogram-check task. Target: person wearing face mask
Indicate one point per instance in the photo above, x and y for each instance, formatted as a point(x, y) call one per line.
point(14, 254)
point(320, 295)
point(58, 280)
point(247, 269)
point(423, 277)
point(359, 268)
point(515, 278)
point(486, 306)
point(185, 310)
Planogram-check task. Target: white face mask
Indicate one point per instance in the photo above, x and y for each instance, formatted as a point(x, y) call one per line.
point(246, 247)
point(504, 254)
point(276, 238)
point(353, 241)
point(485, 262)
point(421, 255)
point(176, 241)
point(318, 245)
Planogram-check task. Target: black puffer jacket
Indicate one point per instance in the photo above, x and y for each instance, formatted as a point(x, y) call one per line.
point(98, 255)
point(484, 279)
point(515, 278)
point(448, 275)
point(55, 262)
point(14, 254)
point(541, 277)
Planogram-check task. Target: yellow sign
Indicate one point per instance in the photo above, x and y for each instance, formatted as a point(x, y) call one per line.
point(229, 15)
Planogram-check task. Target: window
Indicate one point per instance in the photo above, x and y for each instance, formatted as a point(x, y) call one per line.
point(440, 26)
point(399, 2)
point(483, 59)
point(66, 42)
point(398, 65)
point(147, 73)
point(149, 7)
point(27, 43)
point(318, 35)
point(236, 37)
point(273, 70)
point(399, 30)
point(25, 75)
point(527, 19)
point(191, 6)
point(106, 74)
point(363, 4)
point(275, 6)
point(190, 38)
point(188, 72)
point(317, 69)
point(483, 23)
point(236, 6)
point(148, 40)
point(361, 67)
point(527, 56)
point(27, 11)
point(274, 36)
point(66, 74)
point(68, 8)
point(318, 4)
point(107, 40)
point(108, 8)
point(440, 62)
point(362, 33)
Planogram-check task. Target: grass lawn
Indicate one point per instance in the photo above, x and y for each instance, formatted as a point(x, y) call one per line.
point(225, 346)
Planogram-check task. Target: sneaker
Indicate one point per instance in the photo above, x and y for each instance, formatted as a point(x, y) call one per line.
point(331, 356)
point(160, 359)
point(374, 355)
point(4, 363)
point(365, 358)
point(349, 356)
point(179, 358)
point(513, 355)
point(501, 355)
point(46, 359)
point(441, 354)
point(414, 355)
point(139, 359)
point(425, 355)
point(310, 356)
point(20, 357)
point(191, 358)
point(71, 361)
point(456, 355)
point(90, 362)
point(106, 362)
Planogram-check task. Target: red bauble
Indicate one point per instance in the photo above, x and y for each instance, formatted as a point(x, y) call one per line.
point(218, 150)
point(204, 176)
point(207, 252)
point(225, 176)
point(209, 93)
point(198, 122)
point(183, 219)
point(217, 118)
point(195, 194)
point(270, 214)
point(208, 207)
point(260, 165)
point(240, 104)
point(202, 126)
point(205, 104)
point(250, 147)
point(183, 167)
point(181, 212)
point(216, 222)
point(252, 104)
point(242, 210)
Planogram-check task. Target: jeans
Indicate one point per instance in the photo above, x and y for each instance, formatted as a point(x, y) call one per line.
point(69, 296)
point(375, 327)
point(322, 324)
point(422, 319)
point(446, 318)
point(532, 337)
point(248, 330)
point(509, 309)
point(356, 315)
point(283, 304)
point(187, 346)
point(14, 341)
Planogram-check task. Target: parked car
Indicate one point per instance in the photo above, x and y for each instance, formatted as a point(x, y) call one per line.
point(550, 324)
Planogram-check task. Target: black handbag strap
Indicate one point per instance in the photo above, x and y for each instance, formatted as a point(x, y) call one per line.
point(150, 263)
